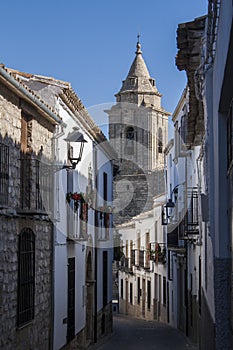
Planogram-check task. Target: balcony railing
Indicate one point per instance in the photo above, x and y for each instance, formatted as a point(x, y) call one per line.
point(77, 219)
point(158, 252)
point(126, 265)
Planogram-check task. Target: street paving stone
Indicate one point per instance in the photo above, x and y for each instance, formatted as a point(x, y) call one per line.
point(134, 334)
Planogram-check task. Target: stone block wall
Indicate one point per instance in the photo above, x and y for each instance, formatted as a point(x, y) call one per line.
point(133, 193)
point(36, 335)
point(78, 343)
point(222, 282)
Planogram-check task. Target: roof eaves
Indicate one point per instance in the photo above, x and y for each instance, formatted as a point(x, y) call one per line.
point(24, 91)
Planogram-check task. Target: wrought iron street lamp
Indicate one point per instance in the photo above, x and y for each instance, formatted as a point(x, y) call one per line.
point(170, 206)
point(73, 137)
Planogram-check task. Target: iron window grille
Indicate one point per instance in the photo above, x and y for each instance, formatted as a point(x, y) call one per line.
point(191, 217)
point(4, 174)
point(36, 185)
point(26, 277)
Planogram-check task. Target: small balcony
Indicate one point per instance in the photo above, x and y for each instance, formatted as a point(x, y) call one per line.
point(157, 252)
point(77, 220)
point(126, 265)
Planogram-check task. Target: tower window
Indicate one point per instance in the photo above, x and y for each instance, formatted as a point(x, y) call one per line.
point(129, 145)
point(152, 82)
point(160, 141)
point(132, 81)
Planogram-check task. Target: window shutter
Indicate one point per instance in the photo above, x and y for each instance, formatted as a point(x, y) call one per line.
point(23, 134)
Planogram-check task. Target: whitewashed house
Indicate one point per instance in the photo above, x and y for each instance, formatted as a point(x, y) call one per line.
point(182, 220)
point(82, 219)
point(205, 53)
point(142, 276)
point(216, 93)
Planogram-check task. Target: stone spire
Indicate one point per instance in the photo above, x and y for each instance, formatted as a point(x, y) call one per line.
point(138, 82)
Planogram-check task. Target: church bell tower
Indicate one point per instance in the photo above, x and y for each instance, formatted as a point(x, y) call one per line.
point(138, 127)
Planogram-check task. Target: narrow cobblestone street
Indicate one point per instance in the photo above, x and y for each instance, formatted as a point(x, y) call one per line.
point(135, 334)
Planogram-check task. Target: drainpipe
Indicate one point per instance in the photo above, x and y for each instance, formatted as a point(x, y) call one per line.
point(56, 135)
point(96, 249)
point(52, 289)
point(187, 261)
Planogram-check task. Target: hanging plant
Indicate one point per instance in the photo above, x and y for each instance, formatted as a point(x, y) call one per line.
point(157, 255)
point(76, 197)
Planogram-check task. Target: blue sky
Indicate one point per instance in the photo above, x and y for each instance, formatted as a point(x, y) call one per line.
point(92, 43)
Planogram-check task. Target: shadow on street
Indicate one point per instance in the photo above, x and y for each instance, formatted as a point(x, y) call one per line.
point(134, 334)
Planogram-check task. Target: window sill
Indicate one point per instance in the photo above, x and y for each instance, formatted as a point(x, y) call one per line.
point(4, 206)
point(19, 328)
point(80, 239)
point(32, 212)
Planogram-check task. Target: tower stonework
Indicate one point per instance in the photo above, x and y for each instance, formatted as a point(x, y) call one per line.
point(138, 128)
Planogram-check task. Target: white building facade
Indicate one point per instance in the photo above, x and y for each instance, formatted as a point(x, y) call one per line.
point(81, 217)
point(183, 221)
point(203, 296)
point(142, 274)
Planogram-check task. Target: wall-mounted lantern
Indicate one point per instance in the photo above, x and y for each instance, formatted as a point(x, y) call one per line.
point(73, 137)
point(170, 205)
point(168, 210)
